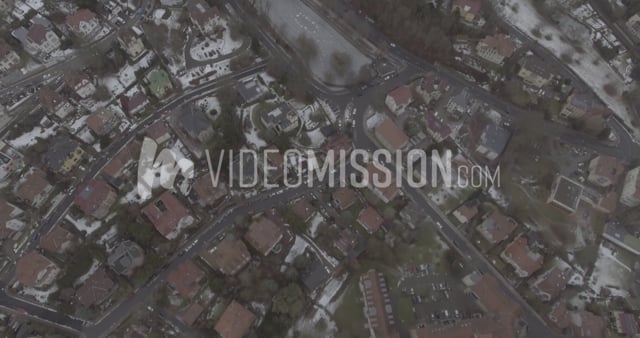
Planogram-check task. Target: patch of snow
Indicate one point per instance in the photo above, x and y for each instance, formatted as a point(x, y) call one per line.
point(315, 222)
point(39, 295)
point(298, 248)
point(83, 224)
point(589, 65)
point(30, 138)
point(208, 48)
point(609, 273)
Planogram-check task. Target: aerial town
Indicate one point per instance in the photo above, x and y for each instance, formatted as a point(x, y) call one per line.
point(114, 115)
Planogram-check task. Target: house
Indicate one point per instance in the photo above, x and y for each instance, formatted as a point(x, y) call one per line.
point(11, 161)
point(469, 9)
point(133, 103)
point(55, 103)
point(534, 72)
point(158, 132)
point(314, 274)
point(565, 193)
point(125, 258)
point(436, 127)
point(40, 39)
point(344, 198)
point(159, 83)
point(465, 213)
point(625, 324)
point(551, 283)
point(460, 103)
point(63, 155)
point(34, 270)
point(370, 219)
point(413, 215)
point(385, 192)
point(493, 141)
point(350, 243)
point(131, 43)
point(495, 48)
point(33, 188)
point(185, 279)
point(521, 258)
point(390, 135)
point(229, 256)
point(633, 24)
point(399, 99)
point(250, 90)
point(207, 194)
point(96, 289)
point(197, 125)
point(79, 82)
point(235, 322)
point(282, 118)
point(580, 106)
point(497, 227)
point(103, 121)
point(82, 22)
point(6, 6)
point(58, 240)
point(302, 209)
point(339, 143)
point(622, 237)
point(95, 198)
point(9, 59)
point(604, 171)
point(378, 309)
point(630, 195)
point(206, 18)
point(191, 314)
point(168, 215)
point(263, 235)
point(117, 166)
point(431, 87)
point(10, 222)
point(559, 315)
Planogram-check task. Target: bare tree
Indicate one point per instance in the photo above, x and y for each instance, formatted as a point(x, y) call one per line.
point(307, 48)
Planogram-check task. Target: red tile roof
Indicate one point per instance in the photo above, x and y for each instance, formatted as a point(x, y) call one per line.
point(96, 289)
point(263, 235)
point(185, 279)
point(401, 95)
point(30, 268)
point(165, 213)
point(389, 133)
point(370, 219)
point(57, 240)
point(521, 256)
point(235, 322)
point(345, 197)
point(501, 43)
point(92, 195)
point(74, 20)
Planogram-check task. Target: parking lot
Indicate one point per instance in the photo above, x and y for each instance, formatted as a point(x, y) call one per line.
point(436, 298)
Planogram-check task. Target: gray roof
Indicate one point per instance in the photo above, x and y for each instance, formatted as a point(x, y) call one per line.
point(125, 256)
point(495, 138)
point(60, 148)
point(195, 122)
point(250, 90)
point(278, 116)
point(535, 65)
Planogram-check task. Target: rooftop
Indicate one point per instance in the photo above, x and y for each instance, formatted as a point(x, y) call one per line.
point(263, 235)
point(229, 256)
point(393, 137)
point(185, 279)
point(235, 322)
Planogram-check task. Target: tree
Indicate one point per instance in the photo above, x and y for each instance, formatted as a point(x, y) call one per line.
point(341, 63)
point(289, 301)
point(307, 48)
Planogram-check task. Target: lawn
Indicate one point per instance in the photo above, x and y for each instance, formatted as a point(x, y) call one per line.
point(406, 313)
point(349, 316)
